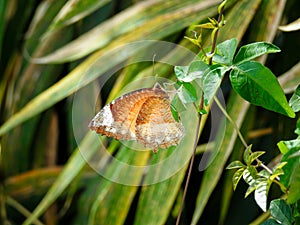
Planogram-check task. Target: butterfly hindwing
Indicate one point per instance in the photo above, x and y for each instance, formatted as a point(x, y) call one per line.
point(156, 126)
point(143, 115)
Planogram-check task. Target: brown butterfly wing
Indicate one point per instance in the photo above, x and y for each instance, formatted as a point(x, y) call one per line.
point(156, 126)
point(118, 119)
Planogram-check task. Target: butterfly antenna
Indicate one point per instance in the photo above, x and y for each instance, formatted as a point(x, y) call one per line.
point(153, 65)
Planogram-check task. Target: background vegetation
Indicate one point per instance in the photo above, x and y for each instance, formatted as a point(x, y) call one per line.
point(42, 170)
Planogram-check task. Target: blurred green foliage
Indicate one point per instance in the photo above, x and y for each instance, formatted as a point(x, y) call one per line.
point(51, 49)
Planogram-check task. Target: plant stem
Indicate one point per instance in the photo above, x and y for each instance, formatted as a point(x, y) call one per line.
point(198, 124)
point(191, 163)
point(214, 44)
point(260, 163)
point(231, 121)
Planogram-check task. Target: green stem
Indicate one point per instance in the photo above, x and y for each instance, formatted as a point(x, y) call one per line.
point(198, 123)
point(215, 37)
point(231, 121)
point(282, 187)
point(191, 162)
point(260, 163)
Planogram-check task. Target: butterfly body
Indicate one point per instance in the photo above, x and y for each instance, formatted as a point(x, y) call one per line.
point(144, 116)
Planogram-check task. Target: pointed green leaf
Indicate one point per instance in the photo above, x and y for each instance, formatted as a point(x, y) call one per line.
point(187, 93)
point(205, 26)
point(247, 154)
point(286, 146)
point(225, 52)
point(261, 193)
point(237, 176)
point(175, 113)
point(293, 26)
point(294, 193)
point(264, 173)
point(211, 80)
point(189, 73)
point(235, 165)
point(282, 147)
point(250, 175)
point(254, 50)
point(250, 189)
point(281, 211)
point(295, 100)
point(292, 147)
point(255, 156)
point(258, 85)
point(278, 171)
point(181, 72)
point(194, 41)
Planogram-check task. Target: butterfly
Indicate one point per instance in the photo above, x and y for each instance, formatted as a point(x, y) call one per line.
point(143, 115)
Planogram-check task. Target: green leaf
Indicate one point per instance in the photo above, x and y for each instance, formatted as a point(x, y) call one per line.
point(75, 164)
point(226, 50)
point(264, 173)
point(250, 175)
point(282, 147)
point(187, 93)
point(175, 113)
point(211, 80)
point(73, 11)
point(258, 85)
point(120, 196)
point(141, 21)
point(281, 211)
point(255, 156)
point(235, 165)
point(181, 72)
point(247, 154)
point(293, 26)
point(294, 193)
point(278, 171)
point(293, 163)
point(189, 73)
point(237, 176)
point(250, 189)
point(285, 146)
point(295, 100)
point(254, 50)
point(261, 193)
point(205, 26)
point(154, 197)
point(270, 222)
point(194, 41)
